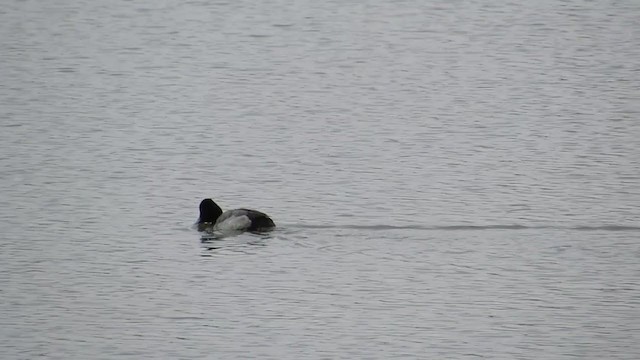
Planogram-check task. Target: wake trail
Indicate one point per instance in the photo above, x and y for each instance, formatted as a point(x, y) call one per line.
point(467, 227)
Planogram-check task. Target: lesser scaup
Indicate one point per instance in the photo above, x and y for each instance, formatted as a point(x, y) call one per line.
point(212, 217)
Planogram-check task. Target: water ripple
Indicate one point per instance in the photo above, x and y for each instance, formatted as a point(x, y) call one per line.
point(469, 227)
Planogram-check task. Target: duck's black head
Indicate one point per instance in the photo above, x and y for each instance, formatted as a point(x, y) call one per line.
point(209, 211)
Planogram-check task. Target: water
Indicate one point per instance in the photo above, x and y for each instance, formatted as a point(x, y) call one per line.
point(450, 179)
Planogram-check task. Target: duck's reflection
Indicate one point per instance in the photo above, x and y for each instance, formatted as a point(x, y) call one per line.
point(243, 242)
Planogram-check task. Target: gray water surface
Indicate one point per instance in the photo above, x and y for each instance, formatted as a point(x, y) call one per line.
point(449, 179)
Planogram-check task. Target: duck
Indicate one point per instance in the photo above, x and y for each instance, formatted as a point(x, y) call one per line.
point(213, 218)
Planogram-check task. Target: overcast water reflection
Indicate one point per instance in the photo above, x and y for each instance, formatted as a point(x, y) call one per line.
point(449, 179)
